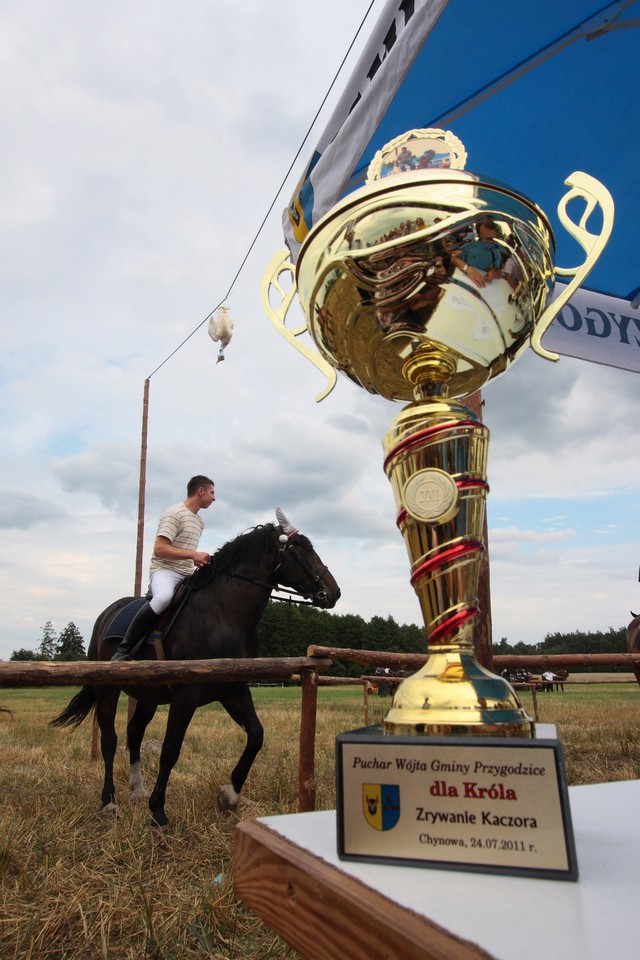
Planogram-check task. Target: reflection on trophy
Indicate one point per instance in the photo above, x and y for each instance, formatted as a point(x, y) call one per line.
point(422, 286)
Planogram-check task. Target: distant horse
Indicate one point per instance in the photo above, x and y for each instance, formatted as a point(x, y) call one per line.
point(559, 679)
point(633, 634)
point(219, 620)
point(384, 687)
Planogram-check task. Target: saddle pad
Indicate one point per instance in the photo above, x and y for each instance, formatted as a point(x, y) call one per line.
point(120, 623)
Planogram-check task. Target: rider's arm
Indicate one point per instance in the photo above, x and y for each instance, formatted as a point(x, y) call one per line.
point(165, 550)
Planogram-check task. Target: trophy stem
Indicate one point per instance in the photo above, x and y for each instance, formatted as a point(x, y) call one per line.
point(435, 458)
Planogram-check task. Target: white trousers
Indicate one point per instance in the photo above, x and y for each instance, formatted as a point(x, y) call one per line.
point(162, 585)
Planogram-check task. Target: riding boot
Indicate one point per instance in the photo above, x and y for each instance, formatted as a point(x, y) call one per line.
point(141, 624)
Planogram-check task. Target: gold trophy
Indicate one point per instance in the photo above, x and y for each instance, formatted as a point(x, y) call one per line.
point(422, 286)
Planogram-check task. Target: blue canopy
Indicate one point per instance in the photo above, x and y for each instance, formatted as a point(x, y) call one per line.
point(535, 91)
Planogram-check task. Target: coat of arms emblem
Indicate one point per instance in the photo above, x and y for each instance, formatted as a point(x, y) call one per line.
point(381, 805)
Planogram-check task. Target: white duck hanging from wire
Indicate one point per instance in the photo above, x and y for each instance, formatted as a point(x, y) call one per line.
point(221, 330)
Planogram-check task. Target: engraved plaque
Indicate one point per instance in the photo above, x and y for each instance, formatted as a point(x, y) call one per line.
point(491, 805)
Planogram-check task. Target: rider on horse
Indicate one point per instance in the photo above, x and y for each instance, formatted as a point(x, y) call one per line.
point(175, 556)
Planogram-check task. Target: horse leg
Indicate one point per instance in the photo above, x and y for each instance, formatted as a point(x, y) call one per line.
point(142, 717)
point(181, 711)
point(106, 705)
point(239, 706)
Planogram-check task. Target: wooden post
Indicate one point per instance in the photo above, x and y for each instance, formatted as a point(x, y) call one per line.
point(366, 703)
point(482, 638)
point(307, 759)
point(142, 485)
point(534, 698)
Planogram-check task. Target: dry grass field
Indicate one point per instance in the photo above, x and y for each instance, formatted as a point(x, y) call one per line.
point(75, 885)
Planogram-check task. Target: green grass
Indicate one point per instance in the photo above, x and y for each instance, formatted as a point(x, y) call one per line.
point(583, 690)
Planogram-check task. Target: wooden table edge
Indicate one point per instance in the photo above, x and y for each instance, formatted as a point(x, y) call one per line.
point(326, 914)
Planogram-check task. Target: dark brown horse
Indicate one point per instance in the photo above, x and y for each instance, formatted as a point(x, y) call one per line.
point(633, 642)
point(219, 620)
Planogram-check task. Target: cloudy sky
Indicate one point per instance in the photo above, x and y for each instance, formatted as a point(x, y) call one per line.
point(142, 145)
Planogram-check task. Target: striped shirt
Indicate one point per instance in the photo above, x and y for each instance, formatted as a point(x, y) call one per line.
point(183, 529)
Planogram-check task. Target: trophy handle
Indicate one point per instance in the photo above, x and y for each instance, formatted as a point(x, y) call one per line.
point(280, 264)
point(595, 193)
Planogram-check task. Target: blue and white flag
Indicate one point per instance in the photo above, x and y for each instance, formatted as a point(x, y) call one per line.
point(399, 34)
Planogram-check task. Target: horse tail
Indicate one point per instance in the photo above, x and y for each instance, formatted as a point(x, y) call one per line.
point(77, 709)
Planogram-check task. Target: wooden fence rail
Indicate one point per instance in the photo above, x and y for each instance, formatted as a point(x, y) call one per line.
point(411, 662)
point(568, 661)
point(539, 661)
point(31, 673)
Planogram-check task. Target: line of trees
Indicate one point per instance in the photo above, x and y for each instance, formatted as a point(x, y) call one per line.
point(611, 641)
point(67, 645)
point(287, 630)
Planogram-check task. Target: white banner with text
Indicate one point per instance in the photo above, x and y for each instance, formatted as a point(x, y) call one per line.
point(597, 327)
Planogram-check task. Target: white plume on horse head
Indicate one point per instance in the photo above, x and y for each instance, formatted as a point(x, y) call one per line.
point(286, 525)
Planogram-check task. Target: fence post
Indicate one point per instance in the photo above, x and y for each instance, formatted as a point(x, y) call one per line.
point(307, 758)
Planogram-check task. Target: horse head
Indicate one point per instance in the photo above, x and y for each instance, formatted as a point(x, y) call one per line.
point(300, 567)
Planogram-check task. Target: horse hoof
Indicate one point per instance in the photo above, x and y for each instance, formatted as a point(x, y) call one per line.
point(227, 799)
point(159, 819)
point(139, 793)
point(109, 809)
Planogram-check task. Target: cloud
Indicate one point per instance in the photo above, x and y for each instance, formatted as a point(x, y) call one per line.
point(108, 471)
point(511, 535)
point(18, 512)
point(566, 428)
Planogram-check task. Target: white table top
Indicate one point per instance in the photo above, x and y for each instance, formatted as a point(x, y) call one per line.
point(514, 917)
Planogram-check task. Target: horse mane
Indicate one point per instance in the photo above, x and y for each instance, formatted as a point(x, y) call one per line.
point(249, 546)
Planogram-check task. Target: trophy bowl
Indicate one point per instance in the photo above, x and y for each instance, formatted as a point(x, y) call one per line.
point(380, 277)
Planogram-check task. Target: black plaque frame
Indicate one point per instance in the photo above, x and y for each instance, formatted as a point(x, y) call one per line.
point(387, 747)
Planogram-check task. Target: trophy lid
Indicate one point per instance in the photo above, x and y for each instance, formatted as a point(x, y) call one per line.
point(426, 149)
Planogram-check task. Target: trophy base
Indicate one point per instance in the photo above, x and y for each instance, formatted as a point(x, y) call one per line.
point(453, 695)
point(496, 805)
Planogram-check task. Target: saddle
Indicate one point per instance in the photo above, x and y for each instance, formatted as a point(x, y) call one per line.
point(122, 619)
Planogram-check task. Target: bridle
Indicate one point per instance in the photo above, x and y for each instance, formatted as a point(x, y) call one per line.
point(286, 545)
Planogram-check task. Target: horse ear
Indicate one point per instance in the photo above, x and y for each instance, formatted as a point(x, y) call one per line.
point(286, 525)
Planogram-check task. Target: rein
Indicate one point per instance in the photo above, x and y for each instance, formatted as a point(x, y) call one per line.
point(292, 594)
